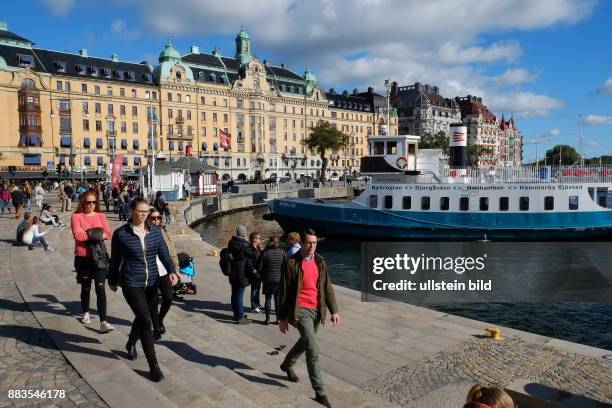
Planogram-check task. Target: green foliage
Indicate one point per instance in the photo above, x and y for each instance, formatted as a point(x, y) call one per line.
point(437, 141)
point(566, 153)
point(324, 136)
point(474, 151)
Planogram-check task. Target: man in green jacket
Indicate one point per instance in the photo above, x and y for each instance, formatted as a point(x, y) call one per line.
point(305, 295)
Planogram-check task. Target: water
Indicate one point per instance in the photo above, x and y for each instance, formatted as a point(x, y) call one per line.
point(585, 323)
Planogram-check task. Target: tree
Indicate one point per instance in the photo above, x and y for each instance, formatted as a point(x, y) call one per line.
point(324, 136)
point(434, 141)
point(567, 154)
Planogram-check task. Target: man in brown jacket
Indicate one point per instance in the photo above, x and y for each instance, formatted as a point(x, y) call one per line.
point(305, 295)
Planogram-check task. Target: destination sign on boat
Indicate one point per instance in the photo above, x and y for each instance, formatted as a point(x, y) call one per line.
point(475, 187)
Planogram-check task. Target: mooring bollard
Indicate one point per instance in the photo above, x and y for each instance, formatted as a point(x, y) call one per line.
point(494, 333)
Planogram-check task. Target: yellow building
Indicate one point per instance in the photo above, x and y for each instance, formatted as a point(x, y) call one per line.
point(82, 111)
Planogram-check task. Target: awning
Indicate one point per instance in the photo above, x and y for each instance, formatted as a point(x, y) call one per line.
point(124, 143)
point(65, 141)
point(87, 161)
point(86, 142)
point(99, 143)
point(136, 144)
point(100, 161)
point(31, 159)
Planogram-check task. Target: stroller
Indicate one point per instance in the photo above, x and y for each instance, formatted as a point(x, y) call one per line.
point(187, 272)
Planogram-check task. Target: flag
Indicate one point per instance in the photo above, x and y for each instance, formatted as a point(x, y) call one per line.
point(153, 115)
point(117, 171)
point(225, 139)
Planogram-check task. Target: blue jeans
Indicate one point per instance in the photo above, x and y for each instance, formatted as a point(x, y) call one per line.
point(5, 204)
point(41, 239)
point(237, 302)
point(255, 291)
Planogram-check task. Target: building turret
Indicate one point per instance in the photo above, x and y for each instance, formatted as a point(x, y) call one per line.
point(311, 81)
point(243, 47)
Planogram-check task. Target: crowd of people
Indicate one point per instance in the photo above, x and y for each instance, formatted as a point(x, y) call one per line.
point(144, 263)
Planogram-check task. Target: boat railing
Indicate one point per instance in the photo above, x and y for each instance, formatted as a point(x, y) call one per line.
point(526, 174)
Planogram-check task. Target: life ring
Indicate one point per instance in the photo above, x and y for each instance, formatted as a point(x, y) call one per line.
point(401, 162)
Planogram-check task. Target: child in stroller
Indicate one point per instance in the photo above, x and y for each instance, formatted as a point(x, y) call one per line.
point(187, 272)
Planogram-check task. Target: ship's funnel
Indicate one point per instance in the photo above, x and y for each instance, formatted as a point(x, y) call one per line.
point(457, 140)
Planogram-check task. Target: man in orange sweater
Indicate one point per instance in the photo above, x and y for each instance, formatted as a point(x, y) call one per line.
point(306, 294)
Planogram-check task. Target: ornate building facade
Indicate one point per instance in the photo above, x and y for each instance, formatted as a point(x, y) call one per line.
point(501, 141)
point(421, 109)
point(82, 111)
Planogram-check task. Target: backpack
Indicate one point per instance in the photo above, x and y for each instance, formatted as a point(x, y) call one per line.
point(225, 261)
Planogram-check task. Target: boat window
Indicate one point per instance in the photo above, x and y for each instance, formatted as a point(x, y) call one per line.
point(549, 203)
point(524, 203)
point(388, 201)
point(411, 149)
point(444, 203)
point(484, 203)
point(391, 147)
point(503, 203)
point(373, 201)
point(379, 147)
point(425, 203)
point(464, 203)
point(407, 202)
point(573, 202)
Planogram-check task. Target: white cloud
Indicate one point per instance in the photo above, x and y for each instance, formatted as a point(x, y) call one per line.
point(524, 104)
point(120, 29)
point(597, 120)
point(59, 7)
point(410, 40)
point(606, 87)
point(514, 76)
point(544, 138)
point(592, 143)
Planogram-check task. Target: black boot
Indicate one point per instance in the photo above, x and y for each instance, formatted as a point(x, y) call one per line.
point(156, 374)
point(291, 376)
point(162, 328)
point(322, 399)
point(131, 351)
point(157, 335)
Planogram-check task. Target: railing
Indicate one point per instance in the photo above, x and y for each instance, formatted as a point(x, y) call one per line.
point(527, 174)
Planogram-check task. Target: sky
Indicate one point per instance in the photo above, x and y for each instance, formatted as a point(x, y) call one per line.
point(544, 61)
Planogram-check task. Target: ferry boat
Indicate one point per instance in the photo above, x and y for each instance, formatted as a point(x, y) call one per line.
point(417, 195)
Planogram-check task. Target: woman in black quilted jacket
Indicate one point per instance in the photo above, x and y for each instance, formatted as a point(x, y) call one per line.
point(134, 251)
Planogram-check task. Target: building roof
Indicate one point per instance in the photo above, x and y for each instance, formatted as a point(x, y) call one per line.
point(351, 101)
point(81, 66)
point(13, 37)
point(193, 165)
point(417, 94)
point(472, 105)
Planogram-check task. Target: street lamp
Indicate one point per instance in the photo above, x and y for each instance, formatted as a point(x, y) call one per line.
point(388, 87)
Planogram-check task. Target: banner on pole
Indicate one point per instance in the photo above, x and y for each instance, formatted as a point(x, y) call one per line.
point(117, 171)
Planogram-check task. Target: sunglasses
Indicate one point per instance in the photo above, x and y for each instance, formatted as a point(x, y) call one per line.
point(155, 218)
point(90, 202)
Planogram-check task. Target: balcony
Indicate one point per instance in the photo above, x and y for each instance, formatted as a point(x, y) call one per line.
point(180, 120)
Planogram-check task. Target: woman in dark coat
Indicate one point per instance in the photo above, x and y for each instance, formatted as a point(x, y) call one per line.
point(269, 267)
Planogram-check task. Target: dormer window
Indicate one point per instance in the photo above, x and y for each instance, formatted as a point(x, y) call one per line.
point(212, 77)
point(80, 69)
point(300, 90)
point(179, 76)
point(224, 79)
point(131, 76)
point(284, 88)
point(106, 72)
point(201, 76)
point(93, 71)
point(60, 66)
point(25, 60)
point(292, 89)
point(119, 74)
point(148, 77)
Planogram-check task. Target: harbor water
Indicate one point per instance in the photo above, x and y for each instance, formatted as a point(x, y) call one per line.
point(585, 323)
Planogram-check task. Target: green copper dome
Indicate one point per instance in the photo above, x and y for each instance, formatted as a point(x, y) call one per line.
point(309, 76)
point(242, 33)
point(169, 53)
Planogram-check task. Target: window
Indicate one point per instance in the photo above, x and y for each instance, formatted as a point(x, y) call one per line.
point(484, 203)
point(425, 203)
point(122, 110)
point(134, 127)
point(106, 72)
point(524, 203)
point(86, 143)
point(187, 98)
point(60, 86)
point(85, 106)
point(119, 74)
point(131, 76)
point(373, 201)
point(121, 91)
point(203, 116)
point(179, 97)
point(406, 202)
point(391, 147)
point(202, 100)
point(549, 203)
point(225, 118)
point(99, 143)
point(86, 124)
point(388, 201)
point(444, 203)
point(93, 71)
point(188, 115)
point(123, 127)
point(60, 66)
point(97, 90)
point(148, 77)
point(124, 143)
point(134, 110)
point(214, 117)
point(133, 93)
point(98, 125)
point(169, 97)
point(80, 69)
point(84, 88)
point(31, 159)
point(110, 109)
point(379, 147)
point(169, 113)
point(136, 144)
point(573, 202)
point(504, 203)
point(464, 203)
point(109, 90)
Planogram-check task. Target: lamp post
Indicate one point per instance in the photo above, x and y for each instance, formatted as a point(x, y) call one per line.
point(388, 87)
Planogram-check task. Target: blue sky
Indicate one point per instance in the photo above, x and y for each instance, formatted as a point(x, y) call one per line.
point(544, 61)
